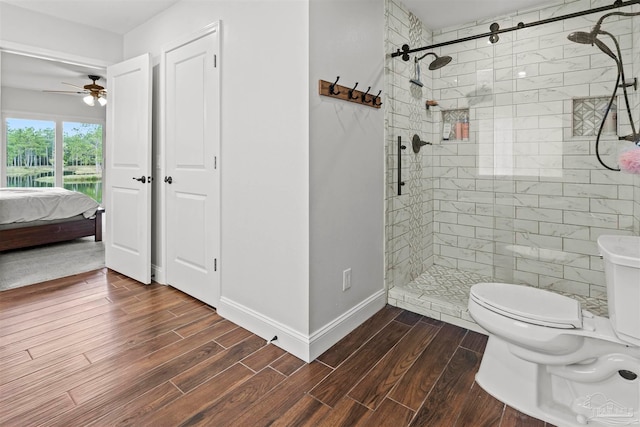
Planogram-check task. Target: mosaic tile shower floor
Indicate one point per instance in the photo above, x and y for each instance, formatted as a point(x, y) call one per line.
point(442, 293)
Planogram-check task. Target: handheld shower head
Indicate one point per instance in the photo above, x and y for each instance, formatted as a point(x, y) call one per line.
point(591, 38)
point(582, 37)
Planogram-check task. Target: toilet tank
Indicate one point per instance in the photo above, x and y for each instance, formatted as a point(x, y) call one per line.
point(621, 256)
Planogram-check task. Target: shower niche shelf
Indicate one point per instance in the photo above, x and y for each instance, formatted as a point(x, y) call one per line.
point(587, 115)
point(455, 124)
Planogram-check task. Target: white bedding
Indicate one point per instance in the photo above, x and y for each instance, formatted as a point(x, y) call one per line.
point(46, 203)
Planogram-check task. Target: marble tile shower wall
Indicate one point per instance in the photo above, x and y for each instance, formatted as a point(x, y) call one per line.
point(409, 217)
point(636, 73)
point(522, 200)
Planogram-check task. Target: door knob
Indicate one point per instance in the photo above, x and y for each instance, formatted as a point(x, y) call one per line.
point(168, 179)
point(142, 179)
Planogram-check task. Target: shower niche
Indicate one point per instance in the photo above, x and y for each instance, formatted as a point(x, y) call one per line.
point(455, 125)
point(587, 115)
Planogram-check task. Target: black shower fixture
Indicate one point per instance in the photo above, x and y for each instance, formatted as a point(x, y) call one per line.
point(591, 38)
point(437, 63)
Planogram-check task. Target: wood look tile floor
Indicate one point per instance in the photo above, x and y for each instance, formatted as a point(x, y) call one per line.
point(99, 349)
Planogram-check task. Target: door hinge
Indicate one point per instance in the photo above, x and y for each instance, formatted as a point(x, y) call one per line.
point(215, 162)
point(215, 61)
point(215, 264)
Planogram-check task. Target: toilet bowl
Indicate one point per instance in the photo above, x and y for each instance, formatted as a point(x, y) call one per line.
point(549, 358)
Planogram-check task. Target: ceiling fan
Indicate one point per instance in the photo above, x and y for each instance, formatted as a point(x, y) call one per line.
point(91, 91)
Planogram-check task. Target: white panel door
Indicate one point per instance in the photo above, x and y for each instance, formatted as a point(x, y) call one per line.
point(192, 181)
point(128, 169)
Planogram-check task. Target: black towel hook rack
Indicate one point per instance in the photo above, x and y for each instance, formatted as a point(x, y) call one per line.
point(334, 90)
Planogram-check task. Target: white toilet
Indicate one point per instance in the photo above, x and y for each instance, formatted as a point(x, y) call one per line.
point(548, 358)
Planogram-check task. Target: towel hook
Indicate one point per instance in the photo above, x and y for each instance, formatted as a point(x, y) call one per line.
point(375, 102)
point(364, 95)
point(333, 86)
point(351, 92)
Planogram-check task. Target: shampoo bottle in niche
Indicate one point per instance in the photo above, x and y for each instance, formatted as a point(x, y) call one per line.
point(459, 129)
point(465, 128)
point(610, 126)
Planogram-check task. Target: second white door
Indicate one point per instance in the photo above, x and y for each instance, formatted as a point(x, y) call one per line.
point(192, 179)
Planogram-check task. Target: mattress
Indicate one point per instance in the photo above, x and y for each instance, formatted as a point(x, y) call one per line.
point(21, 205)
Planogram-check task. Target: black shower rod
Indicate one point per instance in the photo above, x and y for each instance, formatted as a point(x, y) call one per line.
point(494, 28)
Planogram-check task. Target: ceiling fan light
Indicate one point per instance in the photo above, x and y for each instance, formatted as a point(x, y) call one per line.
point(89, 100)
point(102, 101)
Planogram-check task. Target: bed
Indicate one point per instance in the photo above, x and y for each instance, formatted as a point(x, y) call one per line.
point(37, 216)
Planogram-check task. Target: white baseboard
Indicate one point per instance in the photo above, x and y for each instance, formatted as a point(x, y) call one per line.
point(289, 340)
point(305, 347)
point(324, 338)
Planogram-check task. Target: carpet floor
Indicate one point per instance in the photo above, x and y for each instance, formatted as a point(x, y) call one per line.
point(23, 267)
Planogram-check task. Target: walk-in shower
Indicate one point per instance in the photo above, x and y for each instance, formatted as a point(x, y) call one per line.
point(520, 197)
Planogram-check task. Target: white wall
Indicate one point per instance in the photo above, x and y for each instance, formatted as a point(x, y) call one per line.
point(264, 155)
point(50, 104)
point(346, 159)
point(302, 176)
point(25, 30)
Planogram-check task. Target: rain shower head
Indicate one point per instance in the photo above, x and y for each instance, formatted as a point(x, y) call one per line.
point(437, 63)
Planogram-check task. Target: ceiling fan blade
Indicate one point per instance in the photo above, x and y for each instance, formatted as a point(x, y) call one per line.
point(79, 87)
point(65, 91)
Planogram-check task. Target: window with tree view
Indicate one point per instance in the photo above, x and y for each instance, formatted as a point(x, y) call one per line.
point(32, 147)
point(82, 158)
point(30, 153)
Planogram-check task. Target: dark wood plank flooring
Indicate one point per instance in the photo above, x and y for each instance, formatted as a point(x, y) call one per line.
point(99, 349)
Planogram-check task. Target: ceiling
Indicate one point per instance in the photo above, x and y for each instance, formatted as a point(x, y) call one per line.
point(121, 16)
point(117, 16)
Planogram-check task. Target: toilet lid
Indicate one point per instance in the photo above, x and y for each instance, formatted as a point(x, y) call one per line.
point(528, 304)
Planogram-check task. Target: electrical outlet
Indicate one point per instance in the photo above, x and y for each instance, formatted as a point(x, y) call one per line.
point(346, 279)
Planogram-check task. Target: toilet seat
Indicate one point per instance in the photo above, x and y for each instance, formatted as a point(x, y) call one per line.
point(528, 304)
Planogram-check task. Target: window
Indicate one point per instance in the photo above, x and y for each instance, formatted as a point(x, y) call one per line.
point(82, 158)
point(30, 153)
point(50, 153)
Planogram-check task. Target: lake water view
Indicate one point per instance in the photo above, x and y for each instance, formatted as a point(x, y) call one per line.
point(91, 189)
